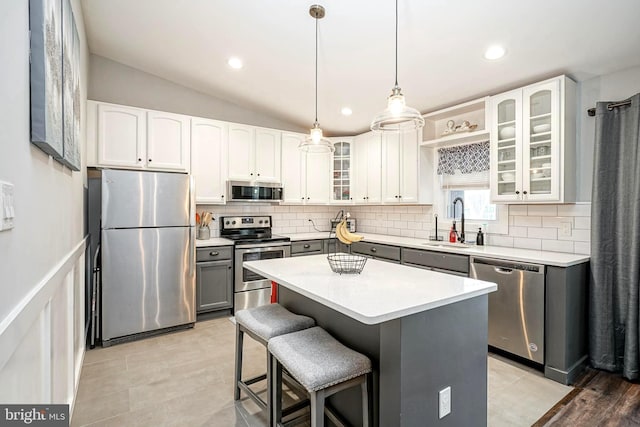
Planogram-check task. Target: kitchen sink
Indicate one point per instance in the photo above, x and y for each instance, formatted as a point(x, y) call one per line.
point(446, 245)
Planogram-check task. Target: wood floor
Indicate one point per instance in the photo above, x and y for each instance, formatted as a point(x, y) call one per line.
point(599, 399)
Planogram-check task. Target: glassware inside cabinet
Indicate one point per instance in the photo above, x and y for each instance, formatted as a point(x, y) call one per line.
point(540, 140)
point(341, 171)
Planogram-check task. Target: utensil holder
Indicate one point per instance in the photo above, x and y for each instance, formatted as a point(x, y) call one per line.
point(203, 233)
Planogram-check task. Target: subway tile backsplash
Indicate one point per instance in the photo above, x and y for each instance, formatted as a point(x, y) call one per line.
point(537, 227)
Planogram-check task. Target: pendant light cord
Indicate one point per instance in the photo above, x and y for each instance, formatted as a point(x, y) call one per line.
point(396, 43)
point(316, 68)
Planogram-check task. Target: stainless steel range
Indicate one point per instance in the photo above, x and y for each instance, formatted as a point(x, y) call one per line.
point(253, 241)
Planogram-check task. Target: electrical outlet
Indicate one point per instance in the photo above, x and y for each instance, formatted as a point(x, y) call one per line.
point(444, 399)
point(565, 229)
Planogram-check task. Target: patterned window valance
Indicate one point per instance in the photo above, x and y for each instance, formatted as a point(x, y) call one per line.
point(464, 158)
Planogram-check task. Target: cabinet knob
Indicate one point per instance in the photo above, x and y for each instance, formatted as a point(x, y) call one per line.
point(374, 250)
point(302, 198)
point(517, 192)
point(222, 197)
point(230, 267)
point(149, 160)
point(308, 198)
point(307, 246)
point(524, 192)
point(395, 197)
point(399, 197)
point(258, 174)
point(214, 253)
point(139, 159)
point(251, 174)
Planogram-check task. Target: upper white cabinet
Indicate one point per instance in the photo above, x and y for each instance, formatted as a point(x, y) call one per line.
point(254, 153)
point(209, 159)
point(342, 170)
point(168, 141)
point(305, 177)
point(533, 143)
point(133, 138)
point(400, 167)
point(367, 161)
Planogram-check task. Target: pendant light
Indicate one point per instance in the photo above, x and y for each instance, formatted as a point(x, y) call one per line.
point(315, 142)
point(398, 116)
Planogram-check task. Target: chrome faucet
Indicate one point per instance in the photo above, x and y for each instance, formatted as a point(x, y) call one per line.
point(461, 234)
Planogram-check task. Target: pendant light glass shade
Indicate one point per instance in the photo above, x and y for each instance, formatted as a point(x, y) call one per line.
point(315, 142)
point(398, 116)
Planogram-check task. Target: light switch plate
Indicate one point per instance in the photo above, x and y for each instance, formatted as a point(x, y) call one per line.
point(7, 211)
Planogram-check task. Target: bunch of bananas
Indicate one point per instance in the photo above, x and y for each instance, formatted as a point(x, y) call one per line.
point(344, 235)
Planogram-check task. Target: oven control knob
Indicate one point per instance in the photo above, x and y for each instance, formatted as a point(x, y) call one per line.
point(233, 222)
point(260, 222)
point(266, 222)
point(227, 223)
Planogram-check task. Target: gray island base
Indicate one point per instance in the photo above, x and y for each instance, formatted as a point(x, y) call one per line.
point(424, 331)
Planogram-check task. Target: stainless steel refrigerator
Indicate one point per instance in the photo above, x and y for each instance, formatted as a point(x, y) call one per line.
point(147, 251)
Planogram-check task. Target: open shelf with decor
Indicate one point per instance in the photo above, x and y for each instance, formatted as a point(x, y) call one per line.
point(458, 124)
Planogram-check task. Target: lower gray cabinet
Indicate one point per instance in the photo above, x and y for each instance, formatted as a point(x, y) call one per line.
point(377, 251)
point(306, 247)
point(214, 284)
point(437, 261)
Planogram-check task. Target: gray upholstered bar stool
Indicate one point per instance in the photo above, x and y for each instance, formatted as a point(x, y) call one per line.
point(262, 324)
point(322, 365)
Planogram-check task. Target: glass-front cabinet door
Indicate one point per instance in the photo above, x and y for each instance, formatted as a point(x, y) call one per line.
point(506, 146)
point(341, 181)
point(541, 133)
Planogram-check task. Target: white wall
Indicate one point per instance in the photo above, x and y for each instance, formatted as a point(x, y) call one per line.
point(111, 81)
point(41, 261)
point(609, 87)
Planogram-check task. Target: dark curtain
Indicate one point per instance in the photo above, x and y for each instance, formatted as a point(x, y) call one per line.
point(615, 241)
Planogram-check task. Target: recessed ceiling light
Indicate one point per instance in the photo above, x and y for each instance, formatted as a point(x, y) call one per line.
point(346, 111)
point(494, 52)
point(235, 63)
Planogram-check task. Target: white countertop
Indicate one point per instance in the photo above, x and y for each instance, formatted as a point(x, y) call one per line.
point(382, 292)
point(558, 259)
point(214, 241)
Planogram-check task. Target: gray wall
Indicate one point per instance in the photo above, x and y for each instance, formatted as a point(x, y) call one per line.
point(609, 87)
point(48, 197)
point(111, 81)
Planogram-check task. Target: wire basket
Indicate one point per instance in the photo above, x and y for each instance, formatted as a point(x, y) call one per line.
point(346, 263)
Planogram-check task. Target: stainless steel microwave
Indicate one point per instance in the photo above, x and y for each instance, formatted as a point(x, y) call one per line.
point(249, 191)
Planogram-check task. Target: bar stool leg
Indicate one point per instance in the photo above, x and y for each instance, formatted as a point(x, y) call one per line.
point(365, 401)
point(238, 370)
point(275, 400)
point(317, 408)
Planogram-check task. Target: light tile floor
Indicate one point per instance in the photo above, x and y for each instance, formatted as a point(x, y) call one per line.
point(186, 378)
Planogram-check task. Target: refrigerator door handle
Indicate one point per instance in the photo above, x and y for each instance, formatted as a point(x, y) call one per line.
point(192, 201)
point(192, 252)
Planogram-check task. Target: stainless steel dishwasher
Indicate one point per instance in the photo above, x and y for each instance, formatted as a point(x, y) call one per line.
point(516, 309)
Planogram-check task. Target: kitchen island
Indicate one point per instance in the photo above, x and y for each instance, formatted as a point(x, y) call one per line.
point(424, 331)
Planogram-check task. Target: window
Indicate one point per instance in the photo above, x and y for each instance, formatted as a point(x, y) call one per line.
point(463, 171)
point(477, 205)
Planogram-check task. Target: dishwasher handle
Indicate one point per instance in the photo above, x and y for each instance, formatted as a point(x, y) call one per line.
point(507, 267)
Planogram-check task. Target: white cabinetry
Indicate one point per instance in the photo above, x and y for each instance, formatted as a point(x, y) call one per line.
point(400, 167)
point(305, 177)
point(254, 153)
point(367, 160)
point(533, 143)
point(133, 138)
point(208, 159)
point(342, 170)
point(168, 141)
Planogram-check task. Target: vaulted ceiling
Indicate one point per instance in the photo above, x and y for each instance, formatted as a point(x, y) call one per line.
point(441, 47)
